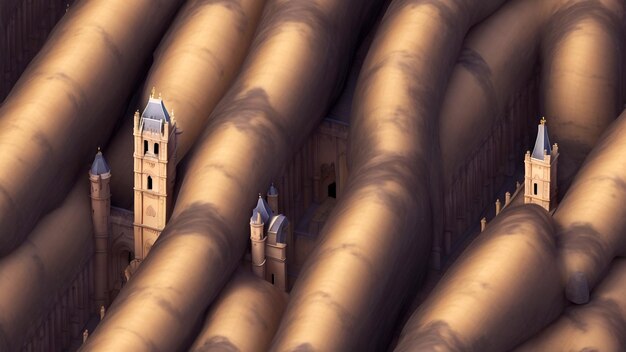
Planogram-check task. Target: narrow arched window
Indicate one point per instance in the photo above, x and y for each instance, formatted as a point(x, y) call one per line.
point(156, 148)
point(149, 182)
point(145, 147)
point(535, 188)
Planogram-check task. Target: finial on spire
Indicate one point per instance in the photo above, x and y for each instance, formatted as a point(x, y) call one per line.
point(260, 196)
point(543, 121)
point(99, 150)
point(152, 92)
point(160, 96)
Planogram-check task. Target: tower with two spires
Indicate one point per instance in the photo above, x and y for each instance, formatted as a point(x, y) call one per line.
point(154, 133)
point(268, 236)
point(541, 171)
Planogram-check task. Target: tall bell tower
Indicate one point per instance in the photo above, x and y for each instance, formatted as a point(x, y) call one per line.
point(541, 170)
point(154, 170)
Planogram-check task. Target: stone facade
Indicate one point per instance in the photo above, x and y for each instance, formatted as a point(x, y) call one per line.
point(154, 172)
point(540, 171)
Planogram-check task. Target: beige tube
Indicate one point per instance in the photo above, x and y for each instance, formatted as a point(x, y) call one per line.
point(512, 326)
point(43, 265)
point(504, 288)
point(497, 61)
point(60, 110)
point(243, 318)
point(597, 326)
point(581, 90)
point(285, 87)
point(194, 65)
point(580, 82)
point(375, 246)
point(592, 218)
point(64, 263)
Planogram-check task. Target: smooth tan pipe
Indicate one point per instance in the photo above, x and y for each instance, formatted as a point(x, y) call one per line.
point(60, 110)
point(195, 63)
point(582, 49)
point(597, 326)
point(62, 264)
point(243, 318)
point(504, 288)
point(43, 266)
point(376, 244)
point(288, 81)
point(498, 60)
point(591, 220)
point(468, 339)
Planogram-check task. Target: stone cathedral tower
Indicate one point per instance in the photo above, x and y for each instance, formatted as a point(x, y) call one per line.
point(154, 169)
point(540, 171)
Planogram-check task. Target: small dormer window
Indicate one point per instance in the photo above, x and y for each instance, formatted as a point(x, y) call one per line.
point(145, 147)
point(156, 148)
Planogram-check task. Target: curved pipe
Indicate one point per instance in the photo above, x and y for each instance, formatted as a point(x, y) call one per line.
point(44, 264)
point(512, 269)
point(582, 51)
point(591, 219)
point(243, 318)
point(195, 63)
point(498, 59)
point(597, 326)
point(356, 281)
point(60, 109)
point(470, 338)
point(300, 51)
point(72, 225)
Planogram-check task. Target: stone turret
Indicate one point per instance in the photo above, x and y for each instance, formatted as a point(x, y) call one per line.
point(100, 178)
point(257, 236)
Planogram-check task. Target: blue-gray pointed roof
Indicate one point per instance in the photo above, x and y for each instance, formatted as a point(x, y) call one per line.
point(264, 209)
point(253, 218)
point(272, 191)
point(99, 165)
point(278, 226)
point(543, 142)
point(156, 110)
